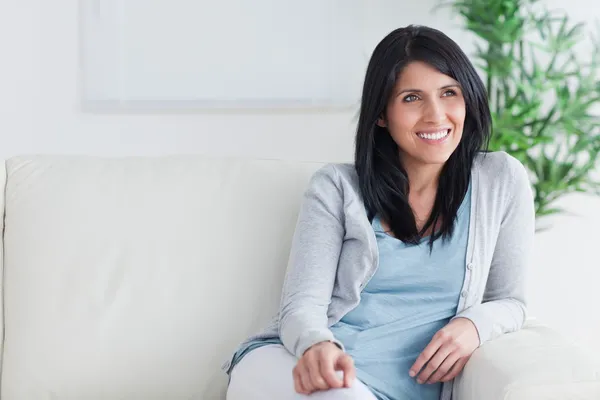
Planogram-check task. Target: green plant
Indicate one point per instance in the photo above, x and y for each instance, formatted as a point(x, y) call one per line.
point(544, 92)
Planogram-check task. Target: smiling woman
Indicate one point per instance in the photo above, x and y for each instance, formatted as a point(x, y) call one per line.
point(406, 261)
point(434, 99)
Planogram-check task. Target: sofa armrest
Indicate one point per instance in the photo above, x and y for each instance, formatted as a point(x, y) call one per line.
point(533, 363)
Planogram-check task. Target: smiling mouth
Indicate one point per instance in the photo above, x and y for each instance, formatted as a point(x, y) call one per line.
point(440, 135)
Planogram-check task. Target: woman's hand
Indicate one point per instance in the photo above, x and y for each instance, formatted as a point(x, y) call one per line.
point(447, 353)
point(316, 369)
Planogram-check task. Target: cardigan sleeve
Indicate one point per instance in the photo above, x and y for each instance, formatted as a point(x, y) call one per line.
point(312, 266)
point(503, 306)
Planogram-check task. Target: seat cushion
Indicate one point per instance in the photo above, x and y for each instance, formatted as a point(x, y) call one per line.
point(135, 278)
point(535, 363)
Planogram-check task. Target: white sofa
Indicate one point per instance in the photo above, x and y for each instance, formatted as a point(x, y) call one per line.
point(135, 278)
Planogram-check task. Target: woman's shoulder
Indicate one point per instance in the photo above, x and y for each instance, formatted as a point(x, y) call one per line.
point(332, 169)
point(498, 164)
point(340, 174)
point(500, 171)
point(335, 180)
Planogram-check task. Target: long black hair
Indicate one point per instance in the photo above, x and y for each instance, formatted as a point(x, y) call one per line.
point(382, 179)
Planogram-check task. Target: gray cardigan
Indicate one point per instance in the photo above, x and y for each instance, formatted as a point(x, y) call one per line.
point(334, 254)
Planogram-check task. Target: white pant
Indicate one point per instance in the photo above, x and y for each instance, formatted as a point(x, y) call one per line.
point(266, 373)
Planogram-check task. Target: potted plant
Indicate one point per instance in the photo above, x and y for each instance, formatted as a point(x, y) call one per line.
point(544, 92)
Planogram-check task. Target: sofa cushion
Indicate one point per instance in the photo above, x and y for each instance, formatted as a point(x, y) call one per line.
point(135, 278)
point(535, 363)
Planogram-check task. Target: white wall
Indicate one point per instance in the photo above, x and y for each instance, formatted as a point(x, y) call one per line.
point(39, 105)
point(39, 113)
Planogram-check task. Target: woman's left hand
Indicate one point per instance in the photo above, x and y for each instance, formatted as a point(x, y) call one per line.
point(447, 353)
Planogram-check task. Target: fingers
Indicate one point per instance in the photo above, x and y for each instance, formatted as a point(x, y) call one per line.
point(426, 355)
point(316, 369)
point(301, 384)
point(298, 387)
point(447, 353)
point(326, 367)
point(455, 370)
point(434, 363)
point(444, 368)
point(346, 365)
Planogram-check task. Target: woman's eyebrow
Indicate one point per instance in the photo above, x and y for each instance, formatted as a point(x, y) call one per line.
point(419, 90)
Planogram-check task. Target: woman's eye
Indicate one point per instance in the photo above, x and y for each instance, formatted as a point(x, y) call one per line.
point(450, 93)
point(410, 98)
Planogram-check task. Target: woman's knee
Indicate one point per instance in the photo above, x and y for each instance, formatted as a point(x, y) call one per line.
point(266, 373)
point(358, 391)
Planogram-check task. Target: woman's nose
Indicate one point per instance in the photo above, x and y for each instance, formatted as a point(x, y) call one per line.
point(434, 112)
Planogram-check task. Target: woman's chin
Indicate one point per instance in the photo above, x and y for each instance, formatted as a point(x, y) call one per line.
point(435, 159)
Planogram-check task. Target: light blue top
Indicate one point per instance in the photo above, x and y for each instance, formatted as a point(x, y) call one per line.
point(413, 294)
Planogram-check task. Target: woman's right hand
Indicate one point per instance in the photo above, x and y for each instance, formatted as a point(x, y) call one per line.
point(316, 369)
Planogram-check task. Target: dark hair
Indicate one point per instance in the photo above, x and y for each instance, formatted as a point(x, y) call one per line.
point(382, 179)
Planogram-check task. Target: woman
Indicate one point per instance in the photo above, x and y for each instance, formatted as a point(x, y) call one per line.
point(407, 261)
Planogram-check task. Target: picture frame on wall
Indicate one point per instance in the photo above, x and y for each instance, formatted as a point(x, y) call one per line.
point(232, 54)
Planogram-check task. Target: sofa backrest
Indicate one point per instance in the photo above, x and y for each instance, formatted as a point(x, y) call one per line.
point(135, 278)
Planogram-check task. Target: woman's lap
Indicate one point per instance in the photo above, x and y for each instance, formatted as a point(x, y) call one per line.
point(266, 373)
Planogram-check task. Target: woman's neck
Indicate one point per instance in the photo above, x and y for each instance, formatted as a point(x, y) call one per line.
point(423, 178)
point(423, 184)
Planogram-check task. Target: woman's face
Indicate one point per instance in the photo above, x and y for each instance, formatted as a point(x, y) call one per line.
point(425, 115)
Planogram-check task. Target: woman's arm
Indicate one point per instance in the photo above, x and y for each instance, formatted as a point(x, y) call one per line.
point(503, 307)
point(312, 266)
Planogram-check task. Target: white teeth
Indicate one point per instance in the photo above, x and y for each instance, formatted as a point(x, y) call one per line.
point(434, 136)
